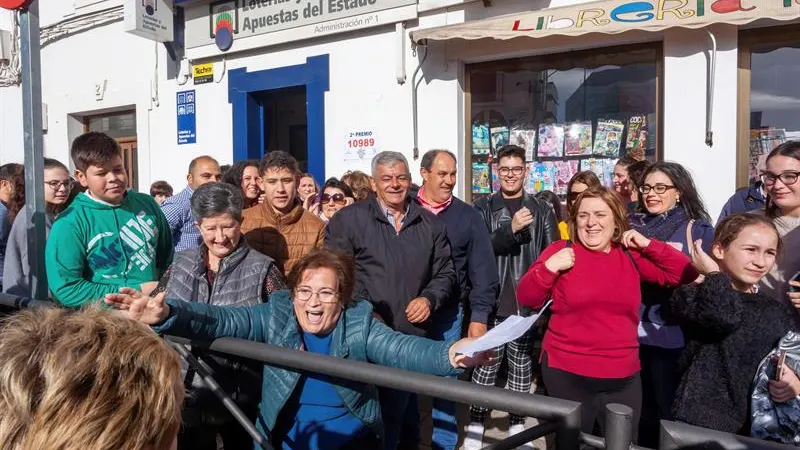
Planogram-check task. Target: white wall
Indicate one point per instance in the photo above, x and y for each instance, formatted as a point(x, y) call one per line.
point(10, 112)
point(685, 72)
point(364, 94)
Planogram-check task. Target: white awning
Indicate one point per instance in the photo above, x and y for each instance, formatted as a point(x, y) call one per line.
point(615, 16)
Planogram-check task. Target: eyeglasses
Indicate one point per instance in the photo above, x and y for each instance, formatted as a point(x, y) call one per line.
point(659, 188)
point(504, 171)
point(572, 196)
point(337, 198)
point(55, 185)
point(325, 295)
point(787, 178)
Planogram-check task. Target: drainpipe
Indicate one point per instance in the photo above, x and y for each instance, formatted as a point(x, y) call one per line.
point(414, 85)
point(710, 96)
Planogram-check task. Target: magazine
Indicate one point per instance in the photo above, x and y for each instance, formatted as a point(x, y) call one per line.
point(636, 142)
point(495, 179)
point(608, 138)
point(603, 168)
point(564, 171)
point(762, 141)
point(551, 141)
point(481, 183)
point(541, 177)
point(480, 139)
point(525, 139)
point(500, 137)
point(578, 139)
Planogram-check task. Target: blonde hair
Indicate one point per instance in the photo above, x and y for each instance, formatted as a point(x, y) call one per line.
point(86, 380)
point(359, 182)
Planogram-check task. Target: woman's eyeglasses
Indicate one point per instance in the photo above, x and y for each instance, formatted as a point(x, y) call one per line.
point(324, 295)
point(659, 188)
point(787, 178)
point(337, 198)
point(55, 185)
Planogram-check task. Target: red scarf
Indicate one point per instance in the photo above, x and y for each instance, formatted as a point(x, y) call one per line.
point(432, 207)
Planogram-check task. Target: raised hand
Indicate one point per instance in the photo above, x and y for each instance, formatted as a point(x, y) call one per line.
point(704, 263)
point(562, 260)
point(521, 219)
point(632, 239)
point(149, 310)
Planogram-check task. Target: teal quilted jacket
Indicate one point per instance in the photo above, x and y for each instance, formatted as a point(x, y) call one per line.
point(357, 336)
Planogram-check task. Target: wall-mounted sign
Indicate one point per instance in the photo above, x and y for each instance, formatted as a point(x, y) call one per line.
point(150, 19)
point(203, 73)
point(225, 23)
point(360, 145)
point(187, 119)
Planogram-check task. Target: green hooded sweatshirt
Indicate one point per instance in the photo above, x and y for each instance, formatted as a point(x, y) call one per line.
point(95, 248)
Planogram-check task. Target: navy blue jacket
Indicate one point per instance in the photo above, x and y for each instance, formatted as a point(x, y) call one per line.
point(476, 269)
point(744, 200)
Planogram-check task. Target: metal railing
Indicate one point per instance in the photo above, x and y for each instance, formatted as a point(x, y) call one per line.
point(556, 416)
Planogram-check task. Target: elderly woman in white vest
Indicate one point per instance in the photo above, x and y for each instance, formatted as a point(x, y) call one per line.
point(223, 271)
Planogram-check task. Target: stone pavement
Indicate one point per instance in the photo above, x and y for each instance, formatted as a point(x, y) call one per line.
point(496, 425)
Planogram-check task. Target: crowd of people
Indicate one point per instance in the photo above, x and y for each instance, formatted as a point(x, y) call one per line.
point(652, 305)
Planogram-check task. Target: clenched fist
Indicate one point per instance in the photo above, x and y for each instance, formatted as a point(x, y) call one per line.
point(521, 219)
point(563, 260)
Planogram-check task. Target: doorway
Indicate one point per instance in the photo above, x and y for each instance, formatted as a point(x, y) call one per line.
point(284, 122)
point(268, 108)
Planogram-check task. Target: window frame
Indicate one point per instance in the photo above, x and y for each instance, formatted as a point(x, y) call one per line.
point(756, 37)
point(554, 59)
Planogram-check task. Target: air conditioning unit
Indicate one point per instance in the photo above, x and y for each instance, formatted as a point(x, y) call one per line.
point(6, 45)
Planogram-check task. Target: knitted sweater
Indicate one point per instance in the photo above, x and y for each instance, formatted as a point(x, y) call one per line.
point(727, 334)
point(788, 263)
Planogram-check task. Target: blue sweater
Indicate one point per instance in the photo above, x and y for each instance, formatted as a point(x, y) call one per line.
point(744, 200)
point(473, 257)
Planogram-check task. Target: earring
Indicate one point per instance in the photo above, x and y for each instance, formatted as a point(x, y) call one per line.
point(678, 200)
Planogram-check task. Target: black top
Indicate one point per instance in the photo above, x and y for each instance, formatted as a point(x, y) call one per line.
point(515, 252)
point(393, 268)
point(727, 335)
point(507, 306)
point(470, 244)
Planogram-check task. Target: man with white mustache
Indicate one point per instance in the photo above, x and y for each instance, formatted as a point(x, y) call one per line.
point(403, 267)
point(476, 274)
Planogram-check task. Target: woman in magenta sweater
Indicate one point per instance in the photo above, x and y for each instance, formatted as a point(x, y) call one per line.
point(590, 352)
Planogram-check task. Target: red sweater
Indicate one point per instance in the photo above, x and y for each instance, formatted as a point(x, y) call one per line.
point(595, 310)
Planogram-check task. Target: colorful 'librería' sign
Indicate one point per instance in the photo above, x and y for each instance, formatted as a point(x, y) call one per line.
point(616, 16)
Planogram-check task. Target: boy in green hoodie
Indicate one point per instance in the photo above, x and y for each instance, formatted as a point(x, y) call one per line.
point(108, 238)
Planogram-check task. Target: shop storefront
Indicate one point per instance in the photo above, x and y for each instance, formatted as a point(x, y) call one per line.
point(583, 109)
point(769, 99)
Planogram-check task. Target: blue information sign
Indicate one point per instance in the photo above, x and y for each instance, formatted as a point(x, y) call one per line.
point(187, 123)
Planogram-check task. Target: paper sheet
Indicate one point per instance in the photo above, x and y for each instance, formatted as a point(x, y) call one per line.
point(508, 330)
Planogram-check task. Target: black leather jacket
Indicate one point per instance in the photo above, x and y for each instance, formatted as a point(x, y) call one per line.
point(515, 252)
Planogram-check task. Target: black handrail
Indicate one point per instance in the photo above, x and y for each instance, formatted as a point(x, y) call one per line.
point(561, 417)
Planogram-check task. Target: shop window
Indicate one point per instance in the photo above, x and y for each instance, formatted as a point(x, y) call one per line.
point(579, 111)
point(771, 95)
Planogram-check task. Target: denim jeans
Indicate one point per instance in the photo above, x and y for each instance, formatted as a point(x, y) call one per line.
point(446, 327)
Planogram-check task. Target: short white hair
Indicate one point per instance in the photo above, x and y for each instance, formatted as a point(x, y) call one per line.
point(389, 159)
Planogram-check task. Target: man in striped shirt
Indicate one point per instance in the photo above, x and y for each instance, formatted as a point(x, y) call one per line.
point(178, 208)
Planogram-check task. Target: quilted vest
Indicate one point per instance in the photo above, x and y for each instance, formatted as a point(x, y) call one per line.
point(239, 280)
